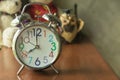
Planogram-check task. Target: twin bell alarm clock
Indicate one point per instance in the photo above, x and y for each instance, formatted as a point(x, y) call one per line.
point(37, 45)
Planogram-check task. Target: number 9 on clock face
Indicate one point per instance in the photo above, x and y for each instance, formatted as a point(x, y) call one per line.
point(36, 46)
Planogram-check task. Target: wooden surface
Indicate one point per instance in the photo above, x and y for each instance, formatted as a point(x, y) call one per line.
point(78, 61)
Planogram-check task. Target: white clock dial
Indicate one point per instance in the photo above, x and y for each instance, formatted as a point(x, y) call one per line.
point(36, 46)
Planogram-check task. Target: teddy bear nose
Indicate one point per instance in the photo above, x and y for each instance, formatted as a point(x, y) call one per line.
point(16, 3)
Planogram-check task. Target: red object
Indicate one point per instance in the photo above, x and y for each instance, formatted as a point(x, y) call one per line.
point(39, 10)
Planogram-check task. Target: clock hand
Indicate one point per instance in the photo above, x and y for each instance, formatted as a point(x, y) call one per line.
point(37, 45)
point(31, 50)
point(36, 40)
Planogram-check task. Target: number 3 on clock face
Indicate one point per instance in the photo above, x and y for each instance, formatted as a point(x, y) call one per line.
point(36, 46)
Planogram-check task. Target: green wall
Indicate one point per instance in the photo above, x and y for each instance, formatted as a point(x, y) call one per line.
point(102, 25)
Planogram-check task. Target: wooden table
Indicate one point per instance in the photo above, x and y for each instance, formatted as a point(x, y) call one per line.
point(78, 61)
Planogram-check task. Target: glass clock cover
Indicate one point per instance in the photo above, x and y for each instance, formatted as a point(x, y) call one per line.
point(36, 46)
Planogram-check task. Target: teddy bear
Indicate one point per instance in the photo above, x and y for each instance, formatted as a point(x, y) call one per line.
point(71, 25)
point(36, 10)
point(8, 9)
point(19, 22)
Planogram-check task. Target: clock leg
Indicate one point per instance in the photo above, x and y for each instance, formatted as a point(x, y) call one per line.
point(53, 67)
point(19, 71)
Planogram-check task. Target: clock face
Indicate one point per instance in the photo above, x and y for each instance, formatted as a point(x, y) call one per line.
point(36, 46)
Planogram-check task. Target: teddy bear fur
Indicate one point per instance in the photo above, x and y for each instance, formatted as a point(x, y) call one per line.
point(8, 8)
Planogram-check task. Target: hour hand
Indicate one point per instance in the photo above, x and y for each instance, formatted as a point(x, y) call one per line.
point(31, 50)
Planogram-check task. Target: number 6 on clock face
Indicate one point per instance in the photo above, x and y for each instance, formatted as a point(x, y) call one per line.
point(36, 46)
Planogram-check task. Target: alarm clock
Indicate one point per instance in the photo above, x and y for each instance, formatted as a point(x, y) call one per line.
point(37, 45)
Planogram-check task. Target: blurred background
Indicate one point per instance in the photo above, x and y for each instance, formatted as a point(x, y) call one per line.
point(102, 26)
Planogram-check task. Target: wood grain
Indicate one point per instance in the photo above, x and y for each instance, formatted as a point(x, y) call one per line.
point(77, 61)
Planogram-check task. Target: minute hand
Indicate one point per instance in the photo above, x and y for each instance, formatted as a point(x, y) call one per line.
point(37, 45)
point(36, 40)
